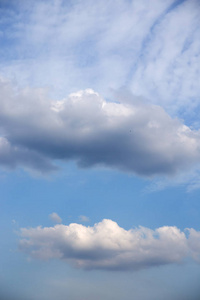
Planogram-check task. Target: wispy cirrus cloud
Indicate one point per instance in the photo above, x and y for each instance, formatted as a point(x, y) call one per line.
point(151, 49)
point(110, 247)
point(168, 67)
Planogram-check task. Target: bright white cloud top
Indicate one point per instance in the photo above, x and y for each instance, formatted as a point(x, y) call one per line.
point(137, 137)
point(110, 247)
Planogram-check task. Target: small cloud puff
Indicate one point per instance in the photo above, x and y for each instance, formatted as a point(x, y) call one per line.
point(83, 218)
point(55, 218)
point(110, 247)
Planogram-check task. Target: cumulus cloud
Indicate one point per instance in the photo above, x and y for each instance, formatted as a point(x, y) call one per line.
point(12, 156)
point(138, 137)
point(194, 240)
point(55, 218)
point(110, 247)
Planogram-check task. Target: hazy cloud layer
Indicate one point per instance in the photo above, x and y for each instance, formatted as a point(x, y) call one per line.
point(110, 247)
point(137, 137)
point(152, 47)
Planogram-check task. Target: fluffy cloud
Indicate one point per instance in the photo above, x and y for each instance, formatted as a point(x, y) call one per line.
point(137, 137)
point(110, 247)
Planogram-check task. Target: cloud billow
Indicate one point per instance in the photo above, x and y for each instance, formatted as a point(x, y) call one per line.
point(139, 138)
point(109, 247)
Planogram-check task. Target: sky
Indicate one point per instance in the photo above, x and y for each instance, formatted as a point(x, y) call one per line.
point(99, 149)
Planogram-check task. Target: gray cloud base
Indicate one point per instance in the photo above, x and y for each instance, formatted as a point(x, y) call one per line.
point(135, 137)
point(110, 247)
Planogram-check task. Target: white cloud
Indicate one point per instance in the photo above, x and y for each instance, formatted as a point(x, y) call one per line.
point(194, 241)
point(110, 247)
point(134, 137)
point(55, 218)
point(153, 49)
point(168, 68)
point(190, 179)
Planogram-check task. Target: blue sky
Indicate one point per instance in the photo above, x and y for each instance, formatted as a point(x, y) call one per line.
point(99, 149)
